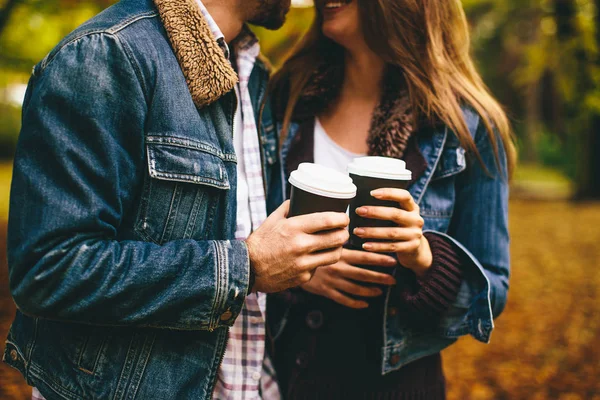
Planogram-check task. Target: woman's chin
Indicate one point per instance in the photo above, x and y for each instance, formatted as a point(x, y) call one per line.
point(338, 34)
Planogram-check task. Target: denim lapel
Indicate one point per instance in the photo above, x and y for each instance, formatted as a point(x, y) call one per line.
point(431, 146)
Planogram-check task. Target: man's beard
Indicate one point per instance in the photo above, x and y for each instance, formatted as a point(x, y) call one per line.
point(270, 13)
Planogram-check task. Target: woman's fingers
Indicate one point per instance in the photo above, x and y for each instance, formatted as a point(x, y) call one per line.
point(390, 234)
point(345, 300)
point(396, 215)
point(401, 196)
point(357, 289)
point(359, 257)
point(408, 247)
point(363, 275)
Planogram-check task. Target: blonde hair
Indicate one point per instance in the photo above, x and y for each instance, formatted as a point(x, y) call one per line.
point(429, 41)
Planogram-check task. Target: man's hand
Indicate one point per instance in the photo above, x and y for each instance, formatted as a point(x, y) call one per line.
point(285, 252)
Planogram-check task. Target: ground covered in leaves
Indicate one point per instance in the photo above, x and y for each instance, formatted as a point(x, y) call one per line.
point(546, 344)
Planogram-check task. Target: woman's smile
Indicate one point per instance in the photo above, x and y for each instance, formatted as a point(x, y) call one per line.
point(330, 8)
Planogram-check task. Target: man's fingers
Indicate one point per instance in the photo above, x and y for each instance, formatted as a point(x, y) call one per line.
point(344, 300)
point(315, 260)
point(364, 275)
point(401, 196)
point(358, 257)
point(319, 222)
point(328, 240)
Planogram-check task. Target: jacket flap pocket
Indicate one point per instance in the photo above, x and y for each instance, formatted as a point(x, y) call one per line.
point(184, 164)
point(452, 162)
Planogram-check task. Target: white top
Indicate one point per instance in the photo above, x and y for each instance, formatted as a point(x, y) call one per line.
point(330, 154)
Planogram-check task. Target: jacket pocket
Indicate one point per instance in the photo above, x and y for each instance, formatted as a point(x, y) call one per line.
point(91, 352)
point(184, 184)
point(437, 205)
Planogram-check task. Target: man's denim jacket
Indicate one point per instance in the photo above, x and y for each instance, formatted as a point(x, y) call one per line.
point(123, 205)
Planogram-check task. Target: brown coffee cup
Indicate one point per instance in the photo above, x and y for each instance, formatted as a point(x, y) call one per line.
point(371, 173)
point(316, 188)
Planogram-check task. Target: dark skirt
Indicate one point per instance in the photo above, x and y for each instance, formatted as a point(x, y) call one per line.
point(331, 352)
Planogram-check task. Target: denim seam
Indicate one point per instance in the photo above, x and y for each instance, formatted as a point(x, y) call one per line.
point(108, 31)
point(139, 372)
point(55, 386)
point(435, 214)
point(185, 178)
point(218, 287)
point(169, 225)
point(190, 144)
point(33, 344)
point(125, 372)
point(135, 66)
point(191, 224)
point(449, 173)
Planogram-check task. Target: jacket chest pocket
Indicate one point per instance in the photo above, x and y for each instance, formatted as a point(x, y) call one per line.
point(437, 205)
point(181, 192)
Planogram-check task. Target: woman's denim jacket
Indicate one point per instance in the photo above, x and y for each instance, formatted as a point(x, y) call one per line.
point(462, 202)
point(122, 217)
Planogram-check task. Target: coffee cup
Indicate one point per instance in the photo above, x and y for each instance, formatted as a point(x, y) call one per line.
point(371, 173)
point(316, 188)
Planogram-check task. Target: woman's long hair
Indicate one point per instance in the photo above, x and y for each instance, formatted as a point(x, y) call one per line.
point(429, 41)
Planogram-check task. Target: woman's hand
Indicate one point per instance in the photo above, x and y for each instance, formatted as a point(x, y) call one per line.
point(338, 280)
point(406, 239)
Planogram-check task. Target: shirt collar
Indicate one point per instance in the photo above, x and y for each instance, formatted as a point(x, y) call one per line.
point(214, 28)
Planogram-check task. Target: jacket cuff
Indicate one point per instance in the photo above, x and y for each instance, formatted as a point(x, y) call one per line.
point(232, 281)
point(433, 294)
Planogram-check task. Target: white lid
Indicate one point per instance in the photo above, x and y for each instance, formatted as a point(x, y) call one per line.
point(323, 181)
point(380, 167)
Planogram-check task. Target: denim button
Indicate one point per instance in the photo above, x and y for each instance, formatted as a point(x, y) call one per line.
point(302, 360)
point(392, 311)
point(14, 355)
point(395, 359)
point(226, 316)
point(314, 319)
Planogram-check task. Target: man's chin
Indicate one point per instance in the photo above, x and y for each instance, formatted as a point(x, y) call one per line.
point(271, 24)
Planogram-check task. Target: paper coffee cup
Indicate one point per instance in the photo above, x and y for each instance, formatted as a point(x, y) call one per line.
point(316, 188)
point(371, 173)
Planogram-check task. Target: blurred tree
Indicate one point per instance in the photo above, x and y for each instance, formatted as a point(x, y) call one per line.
point(6, 11)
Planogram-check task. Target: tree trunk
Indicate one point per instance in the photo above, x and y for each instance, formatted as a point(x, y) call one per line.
point(589, 162)
point(532, 123)
point(6, 12)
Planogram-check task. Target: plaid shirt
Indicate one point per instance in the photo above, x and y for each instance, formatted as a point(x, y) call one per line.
point(246, 372)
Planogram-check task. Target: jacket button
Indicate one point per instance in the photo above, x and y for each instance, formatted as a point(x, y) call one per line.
point(392, 311)
point(302, 360)
point(314, 319)
point(14, 355)
point(395, 359)
point(226, 316)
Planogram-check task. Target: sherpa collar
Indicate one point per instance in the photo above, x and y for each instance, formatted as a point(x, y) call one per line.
point(209, 75)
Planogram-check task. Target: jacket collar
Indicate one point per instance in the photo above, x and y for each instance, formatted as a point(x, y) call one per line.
point(209, 75)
